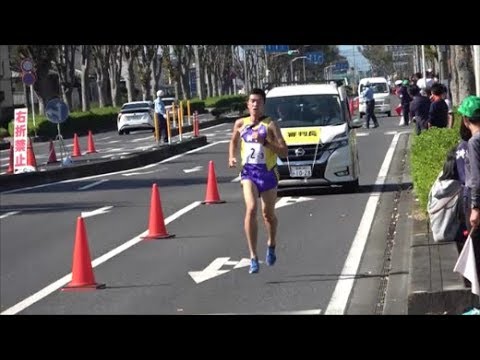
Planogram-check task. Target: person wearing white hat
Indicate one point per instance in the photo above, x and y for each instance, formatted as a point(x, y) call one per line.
point(160, 111)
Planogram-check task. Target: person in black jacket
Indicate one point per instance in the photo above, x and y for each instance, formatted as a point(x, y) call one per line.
point(419, 108)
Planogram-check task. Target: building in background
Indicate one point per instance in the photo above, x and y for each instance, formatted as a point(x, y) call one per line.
point(6, 96)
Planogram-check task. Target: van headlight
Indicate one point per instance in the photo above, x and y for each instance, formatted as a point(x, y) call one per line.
point(341, 136)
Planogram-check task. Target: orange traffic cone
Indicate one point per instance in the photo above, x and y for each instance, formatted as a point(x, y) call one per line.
point(10, 161)
point(212, 196)
point(31, 161)
point(91, 145)
point(82, 271)
point(156, 224)
point(52, 157)
point(76, 146)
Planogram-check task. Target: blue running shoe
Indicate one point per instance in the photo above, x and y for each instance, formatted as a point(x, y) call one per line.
point(271, 257)
point(254, 266)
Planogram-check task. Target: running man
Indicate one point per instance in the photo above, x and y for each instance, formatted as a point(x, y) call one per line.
point(261, 143)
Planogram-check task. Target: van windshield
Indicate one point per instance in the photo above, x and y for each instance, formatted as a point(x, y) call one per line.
point(378, 88)
point(305, 110)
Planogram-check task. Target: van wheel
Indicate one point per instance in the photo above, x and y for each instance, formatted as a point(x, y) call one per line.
point(389, 113)
point(120, 132)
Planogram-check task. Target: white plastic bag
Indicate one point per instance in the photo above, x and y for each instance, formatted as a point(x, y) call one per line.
point(466, 265)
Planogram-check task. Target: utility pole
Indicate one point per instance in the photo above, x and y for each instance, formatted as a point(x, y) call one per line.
point(304, 75)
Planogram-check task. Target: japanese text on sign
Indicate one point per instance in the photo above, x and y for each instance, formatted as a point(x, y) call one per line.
point(20, 139)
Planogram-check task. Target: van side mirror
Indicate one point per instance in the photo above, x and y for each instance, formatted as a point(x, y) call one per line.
point(356, 123)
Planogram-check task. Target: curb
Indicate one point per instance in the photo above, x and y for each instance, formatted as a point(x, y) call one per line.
point(434, 288)
point(99, 167)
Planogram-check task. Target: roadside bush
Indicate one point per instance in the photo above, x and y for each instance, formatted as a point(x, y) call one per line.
point(97, 119)
point(428, 153)
point(225, 101)
point(195, 105)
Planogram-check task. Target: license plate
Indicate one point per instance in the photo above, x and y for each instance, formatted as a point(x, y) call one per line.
point(301, 171)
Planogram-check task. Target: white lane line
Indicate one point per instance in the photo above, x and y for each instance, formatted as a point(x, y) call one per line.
point(32, 299)
point(194, 151)
point(145, 173)
point(344, 286)
point(116, 172)
point(9, 214)
point(92, 184)
point(363, 134)
point(141, 139)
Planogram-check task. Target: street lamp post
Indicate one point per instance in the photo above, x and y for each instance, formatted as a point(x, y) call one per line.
point(291, 66)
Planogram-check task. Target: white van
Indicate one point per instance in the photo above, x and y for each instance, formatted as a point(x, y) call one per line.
point(316, 123)
point(381, 94)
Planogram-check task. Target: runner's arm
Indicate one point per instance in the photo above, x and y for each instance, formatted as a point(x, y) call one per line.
point(232, 148)
point(277, 145)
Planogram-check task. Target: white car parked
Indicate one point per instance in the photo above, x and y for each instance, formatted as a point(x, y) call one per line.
point(137, 115)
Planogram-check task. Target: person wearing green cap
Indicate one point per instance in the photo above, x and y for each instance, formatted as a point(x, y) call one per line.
point(470, 111)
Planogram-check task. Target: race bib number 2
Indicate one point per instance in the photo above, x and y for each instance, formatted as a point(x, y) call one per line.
point(254, 153)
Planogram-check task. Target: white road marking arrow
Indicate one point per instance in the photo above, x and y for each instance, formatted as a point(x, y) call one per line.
point(210, 271)
point(196, 168)
point(288, 200)
point(100, 211)
point(243, 263)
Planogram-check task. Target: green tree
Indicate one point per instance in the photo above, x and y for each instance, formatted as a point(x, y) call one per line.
point(43, 57)
point(380, 59)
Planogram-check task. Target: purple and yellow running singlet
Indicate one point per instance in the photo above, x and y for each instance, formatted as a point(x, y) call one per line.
point(259, 162)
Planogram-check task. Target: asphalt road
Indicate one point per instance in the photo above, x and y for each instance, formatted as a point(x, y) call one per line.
point(316, 232)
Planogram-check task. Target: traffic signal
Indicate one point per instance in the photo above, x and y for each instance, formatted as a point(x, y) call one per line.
point(292, 52)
